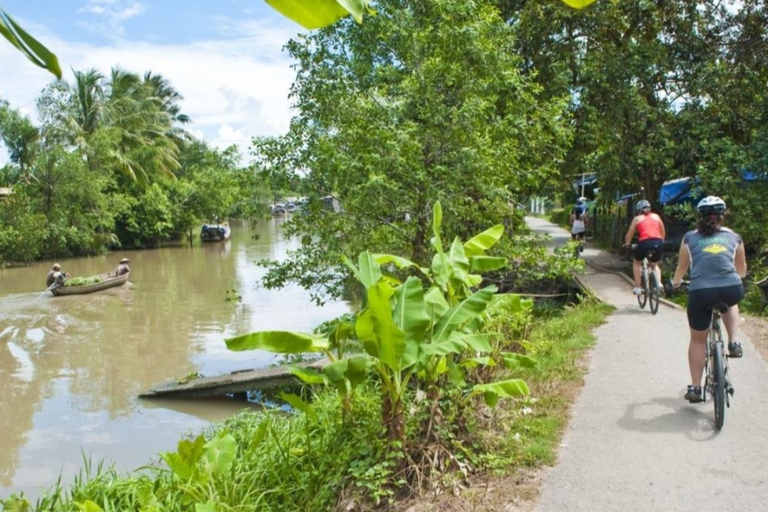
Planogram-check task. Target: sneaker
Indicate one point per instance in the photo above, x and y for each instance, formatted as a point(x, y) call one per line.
point(734, 349)
point(694, 394)
point(637, 291)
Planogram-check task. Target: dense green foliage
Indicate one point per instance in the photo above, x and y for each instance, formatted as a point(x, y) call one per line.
point(658, 90)
point(425, 101)
point(111, 166)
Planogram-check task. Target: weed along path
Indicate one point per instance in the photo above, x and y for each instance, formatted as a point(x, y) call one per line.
point(633, 442)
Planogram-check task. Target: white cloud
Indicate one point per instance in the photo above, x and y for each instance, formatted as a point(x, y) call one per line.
point(111, 15)
point(233, 89)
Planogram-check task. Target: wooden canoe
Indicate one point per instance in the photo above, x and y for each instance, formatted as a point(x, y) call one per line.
point(107, 282)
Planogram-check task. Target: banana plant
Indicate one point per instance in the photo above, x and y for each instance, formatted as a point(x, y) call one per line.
point(455, 272)
point(404, 336)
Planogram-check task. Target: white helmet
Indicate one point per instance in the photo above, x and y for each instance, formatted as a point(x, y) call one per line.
point(711, 204)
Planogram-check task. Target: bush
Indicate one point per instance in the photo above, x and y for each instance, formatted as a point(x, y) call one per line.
point(560, 216)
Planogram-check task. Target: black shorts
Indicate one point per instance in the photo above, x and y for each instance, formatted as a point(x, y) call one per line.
point(650, 248)
point(701, 302)
point(578, 236)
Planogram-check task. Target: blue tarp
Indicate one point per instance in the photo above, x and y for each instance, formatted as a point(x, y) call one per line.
point(677, 191)
point(753, 176)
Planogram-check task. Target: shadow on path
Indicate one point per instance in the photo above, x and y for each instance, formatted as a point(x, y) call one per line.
point(696, 422)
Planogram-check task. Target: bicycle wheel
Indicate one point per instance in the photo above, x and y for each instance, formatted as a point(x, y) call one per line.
point(653, 293)
point(643, 297)
point(718, 384)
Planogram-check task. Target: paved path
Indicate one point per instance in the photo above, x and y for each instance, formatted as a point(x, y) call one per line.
point(633, 443)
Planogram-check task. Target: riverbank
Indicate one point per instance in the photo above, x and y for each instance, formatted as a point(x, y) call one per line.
point(312, 462)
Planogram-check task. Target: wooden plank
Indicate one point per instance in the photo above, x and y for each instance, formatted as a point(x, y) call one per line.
point(236, 382)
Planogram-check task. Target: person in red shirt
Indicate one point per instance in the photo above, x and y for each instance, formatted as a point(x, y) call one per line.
point(650, 234)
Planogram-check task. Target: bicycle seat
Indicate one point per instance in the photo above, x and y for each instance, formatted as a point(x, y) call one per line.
point(721, 307)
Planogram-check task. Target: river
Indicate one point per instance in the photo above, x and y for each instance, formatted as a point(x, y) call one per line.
point(72, 367)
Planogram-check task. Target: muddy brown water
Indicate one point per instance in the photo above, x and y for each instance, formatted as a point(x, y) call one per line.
point(72, 367)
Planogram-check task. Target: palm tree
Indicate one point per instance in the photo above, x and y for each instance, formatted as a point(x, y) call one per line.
point(87, 101)
point(147, 149)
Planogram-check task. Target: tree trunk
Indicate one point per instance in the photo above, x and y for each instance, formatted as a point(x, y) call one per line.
point(394, 420)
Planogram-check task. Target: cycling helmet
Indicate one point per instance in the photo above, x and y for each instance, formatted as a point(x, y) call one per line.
point(642, 205)
point(711, 204)
point(581, 200)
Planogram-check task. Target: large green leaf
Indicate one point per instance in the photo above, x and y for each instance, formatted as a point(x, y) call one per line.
point(437, 221)
point(483, 264)
point(513, 388)
point(297, 403)
point(441, 269)
point(436, 304)
point(578, 4)
point(183, 462)
point(282, 342)
point(220, 454)
point(368, 271)
point(310, 14)
point(192, 451)
point(260, 435)
point(459, 261)
point(336, 370)
point(28, 45)
point(475, 342)
point(453, 345)
point(307, 375)
point(364, 332)
point(357, 370)
point(410, 313)
point(514, 360)
point(383, 259)
point(509, 303)
point(478, 244)
point(390, 338)
point(468, 309)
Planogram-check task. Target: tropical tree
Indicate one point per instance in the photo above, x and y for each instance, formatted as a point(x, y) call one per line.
point(20, 137)
point(423, 102)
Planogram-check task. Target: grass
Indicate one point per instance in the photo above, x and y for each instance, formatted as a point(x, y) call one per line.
point(532, 430)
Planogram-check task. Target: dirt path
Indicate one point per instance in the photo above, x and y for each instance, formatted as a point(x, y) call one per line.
point(633, 442)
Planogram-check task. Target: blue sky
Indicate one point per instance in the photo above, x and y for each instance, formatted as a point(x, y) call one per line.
point(223, 56)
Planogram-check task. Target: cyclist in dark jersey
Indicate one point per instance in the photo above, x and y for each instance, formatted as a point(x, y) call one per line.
point(717, 262)
point(650, 235)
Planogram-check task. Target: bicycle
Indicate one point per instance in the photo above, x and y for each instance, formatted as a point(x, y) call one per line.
point(650, 285)
point(579, 238)
point(717, 380)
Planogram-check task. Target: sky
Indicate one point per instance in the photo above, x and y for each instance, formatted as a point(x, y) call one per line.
point(224, 56)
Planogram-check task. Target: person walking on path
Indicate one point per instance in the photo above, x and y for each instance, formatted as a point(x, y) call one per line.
point(650, 234)
point(717, 261)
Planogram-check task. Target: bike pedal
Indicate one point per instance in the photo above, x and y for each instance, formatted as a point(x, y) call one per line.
point(730, 390)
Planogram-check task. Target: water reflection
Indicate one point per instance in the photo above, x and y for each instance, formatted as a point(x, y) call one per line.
point(71, 367)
